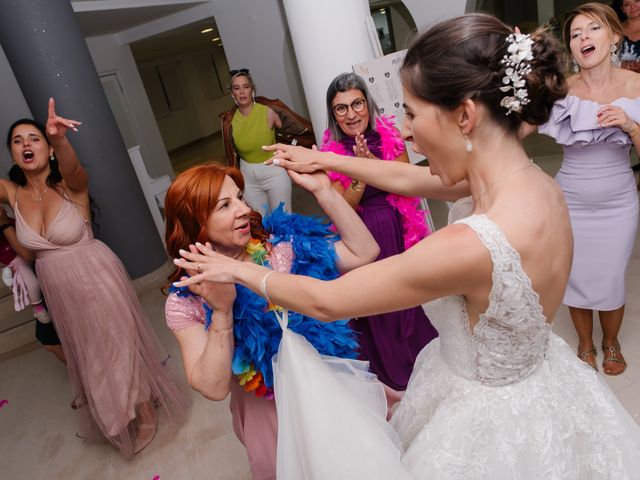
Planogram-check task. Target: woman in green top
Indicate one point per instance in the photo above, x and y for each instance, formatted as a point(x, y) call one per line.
point(253, 126)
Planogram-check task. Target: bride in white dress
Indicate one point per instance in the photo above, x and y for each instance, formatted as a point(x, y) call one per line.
point(498, 395)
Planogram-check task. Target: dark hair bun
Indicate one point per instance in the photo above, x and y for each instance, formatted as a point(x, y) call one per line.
point(461, 58)
point(546, 83)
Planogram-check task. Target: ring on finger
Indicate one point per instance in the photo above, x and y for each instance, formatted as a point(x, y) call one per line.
point(199, 268)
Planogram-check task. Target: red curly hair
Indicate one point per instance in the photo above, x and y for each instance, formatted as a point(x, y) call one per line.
point(188, 204)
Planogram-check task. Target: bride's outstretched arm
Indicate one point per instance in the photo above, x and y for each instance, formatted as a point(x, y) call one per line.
point(395, 177)
point(451, 261)
point(356, 246)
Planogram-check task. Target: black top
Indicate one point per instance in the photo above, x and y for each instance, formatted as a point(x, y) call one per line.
point(630, 50)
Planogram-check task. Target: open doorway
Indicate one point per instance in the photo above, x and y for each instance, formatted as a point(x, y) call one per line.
point(185, 75)
point(394, 24)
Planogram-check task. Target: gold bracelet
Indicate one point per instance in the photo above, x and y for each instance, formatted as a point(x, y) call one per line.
point(220, 332)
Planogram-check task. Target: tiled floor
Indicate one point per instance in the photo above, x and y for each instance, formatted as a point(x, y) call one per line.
point(38, 430)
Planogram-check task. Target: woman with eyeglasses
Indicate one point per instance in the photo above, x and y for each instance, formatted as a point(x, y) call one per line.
point(390, 341)
point(252, 126)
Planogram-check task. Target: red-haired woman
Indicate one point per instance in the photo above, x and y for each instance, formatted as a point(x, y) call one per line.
point(228, 334)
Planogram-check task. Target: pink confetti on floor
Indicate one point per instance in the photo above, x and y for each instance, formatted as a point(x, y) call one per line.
point(4, 402)
point(157, 477)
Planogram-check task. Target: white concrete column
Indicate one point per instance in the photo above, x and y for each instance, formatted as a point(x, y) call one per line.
point(329, 36)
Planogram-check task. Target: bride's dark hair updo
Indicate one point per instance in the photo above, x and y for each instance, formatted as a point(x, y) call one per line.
point(460, 59)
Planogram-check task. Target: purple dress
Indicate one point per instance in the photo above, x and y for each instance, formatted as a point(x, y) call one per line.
point(601, 194)
point(390, 341)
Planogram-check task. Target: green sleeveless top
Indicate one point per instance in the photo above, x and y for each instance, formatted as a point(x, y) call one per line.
point(250, 133)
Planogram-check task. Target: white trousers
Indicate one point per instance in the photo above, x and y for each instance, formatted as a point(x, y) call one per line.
point(265, 186)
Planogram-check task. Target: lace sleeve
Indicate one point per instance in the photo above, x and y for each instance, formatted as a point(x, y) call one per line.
point(281, 257)
point(183, 312)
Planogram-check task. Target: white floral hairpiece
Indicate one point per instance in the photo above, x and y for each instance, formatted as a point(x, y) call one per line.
point(517, 66)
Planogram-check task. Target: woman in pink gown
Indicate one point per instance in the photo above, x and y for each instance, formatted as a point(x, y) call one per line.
point(116, 364)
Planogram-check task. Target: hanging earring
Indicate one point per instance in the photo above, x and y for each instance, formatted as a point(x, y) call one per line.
point(468, 146)
point(575, 66)
point(52, 157)
point(615, 60)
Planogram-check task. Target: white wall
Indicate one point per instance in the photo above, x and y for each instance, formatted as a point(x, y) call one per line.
point(403, 28)
point(426, 13)
point(109, 56)
point(200, 116)
point(255, 36)
point(207, 109)
point(14, 106)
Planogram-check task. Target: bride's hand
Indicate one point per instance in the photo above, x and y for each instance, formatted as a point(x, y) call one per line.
point(219, 296)
point(206, 265)
point(299, 159)
point(313, 182)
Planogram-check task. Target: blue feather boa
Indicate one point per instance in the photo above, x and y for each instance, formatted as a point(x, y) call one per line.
point(256, 330)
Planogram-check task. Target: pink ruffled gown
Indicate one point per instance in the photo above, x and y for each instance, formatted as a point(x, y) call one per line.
point(114, 358)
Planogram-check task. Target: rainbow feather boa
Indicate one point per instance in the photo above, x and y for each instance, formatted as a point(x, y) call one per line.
point(414, 226)
point(256, 330)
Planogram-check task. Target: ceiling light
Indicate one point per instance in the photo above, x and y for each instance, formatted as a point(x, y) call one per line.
point(215, 39)
point(207, 30)
point(383, 11)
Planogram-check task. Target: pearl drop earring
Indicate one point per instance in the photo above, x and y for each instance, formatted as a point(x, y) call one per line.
point(468, 146)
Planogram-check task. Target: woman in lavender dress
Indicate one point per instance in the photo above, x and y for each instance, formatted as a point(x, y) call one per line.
point(389, 341)
point(596, 124)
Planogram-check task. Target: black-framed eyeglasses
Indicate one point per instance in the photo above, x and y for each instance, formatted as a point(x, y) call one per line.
point(341, 109)
point(241, 71)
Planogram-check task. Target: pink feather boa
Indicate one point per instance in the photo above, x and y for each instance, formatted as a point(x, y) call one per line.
point(414, 226)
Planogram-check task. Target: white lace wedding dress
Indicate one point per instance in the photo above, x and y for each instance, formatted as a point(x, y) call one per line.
point(508, 400)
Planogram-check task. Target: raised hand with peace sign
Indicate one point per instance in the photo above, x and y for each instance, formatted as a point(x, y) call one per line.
point(57, 126)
